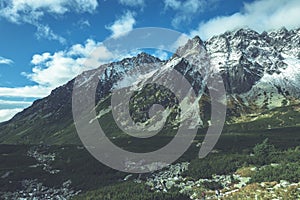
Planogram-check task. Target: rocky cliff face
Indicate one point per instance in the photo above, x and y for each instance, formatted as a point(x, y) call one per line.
point(260, 72)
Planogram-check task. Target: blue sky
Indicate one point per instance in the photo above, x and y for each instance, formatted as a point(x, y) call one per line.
point(44, 42)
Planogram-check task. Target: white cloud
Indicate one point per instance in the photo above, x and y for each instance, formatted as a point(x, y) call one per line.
point(65, 65)
point(32, 11)
point(8, 108)
point(44, 31)
point(162, 55)
point(132, 3)
point(123, 25)
point(5, 61)
point(83, 23)
point(258, 15)
point(17, 103)
point(185, 10)
point(26, 91)
point(174, 4)
point(6, 114)
point(19, 11)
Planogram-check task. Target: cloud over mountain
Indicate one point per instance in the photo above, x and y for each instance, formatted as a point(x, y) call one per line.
point(258, 15)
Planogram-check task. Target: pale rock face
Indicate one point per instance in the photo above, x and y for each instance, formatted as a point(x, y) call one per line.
point(261, 69)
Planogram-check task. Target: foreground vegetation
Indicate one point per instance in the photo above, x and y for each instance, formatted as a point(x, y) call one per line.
point(275, 164)
point(274, 159)
point(270, 172)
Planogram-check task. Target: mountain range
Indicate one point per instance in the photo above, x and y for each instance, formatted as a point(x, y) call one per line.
point(260, 71)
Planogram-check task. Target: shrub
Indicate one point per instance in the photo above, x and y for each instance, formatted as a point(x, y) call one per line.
point(215, 164)
point(263, 153)
point(285, 171)
point(213, 185)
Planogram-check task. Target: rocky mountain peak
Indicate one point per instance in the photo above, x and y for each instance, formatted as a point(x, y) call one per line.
point(146, 58)
point(245, 32)
point(192, 45)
